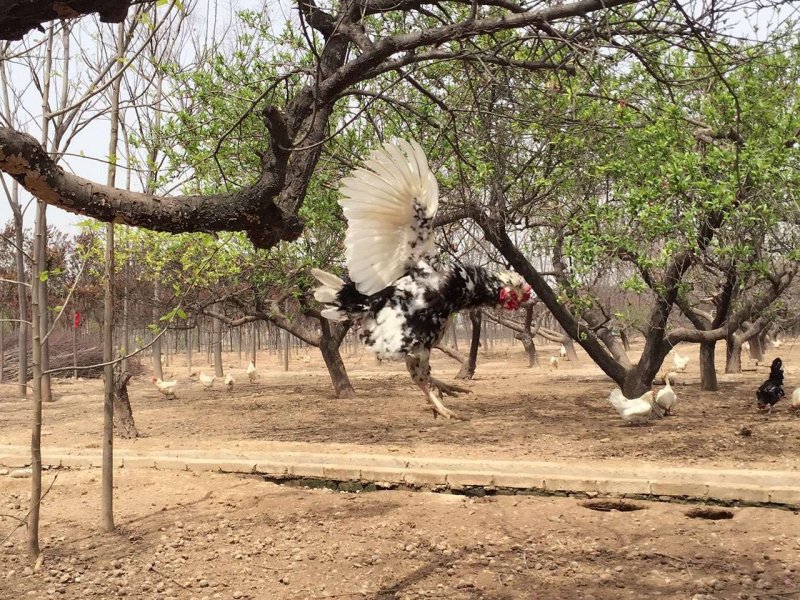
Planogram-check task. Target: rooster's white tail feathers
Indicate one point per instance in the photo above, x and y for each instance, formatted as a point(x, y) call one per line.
point(331, 284)
point(327, 292)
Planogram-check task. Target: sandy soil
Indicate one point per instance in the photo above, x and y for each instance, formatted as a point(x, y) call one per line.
point(216, 536)
point(514, 412)
point(210, 536)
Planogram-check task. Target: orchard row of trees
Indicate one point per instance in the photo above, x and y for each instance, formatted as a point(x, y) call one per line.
point(635, 161)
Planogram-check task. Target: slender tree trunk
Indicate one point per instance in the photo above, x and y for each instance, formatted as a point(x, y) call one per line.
point(216, 326)
point(108, 312)
point(39, 265)
point(329, 344)
point(126, 331)
point(22, 300)
point(239, 344)
point(19, 255)
point(286, 345)
point(189, 350)
point(108, 374)
point(40, 285)
point(157, 371)
point(47, 392)
point(74, 351)
point(708, 371)
point(36, 428)
point(468, 368)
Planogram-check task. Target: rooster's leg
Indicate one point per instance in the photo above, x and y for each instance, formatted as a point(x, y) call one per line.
point(420, 370)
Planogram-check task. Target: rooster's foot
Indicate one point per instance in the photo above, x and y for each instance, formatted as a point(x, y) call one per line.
point(448, 389)
point(435, 396)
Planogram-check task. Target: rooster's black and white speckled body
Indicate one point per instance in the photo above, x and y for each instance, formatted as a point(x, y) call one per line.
point(401, 302)
point(411, 315)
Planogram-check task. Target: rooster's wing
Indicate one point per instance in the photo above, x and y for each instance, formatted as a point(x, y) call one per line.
point(389, 203)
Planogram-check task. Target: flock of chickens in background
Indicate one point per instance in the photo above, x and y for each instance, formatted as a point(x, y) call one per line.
point(168, 388)
point(634, 411)
point(652, 405)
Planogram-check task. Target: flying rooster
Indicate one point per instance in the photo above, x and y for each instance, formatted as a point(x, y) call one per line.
point(402, 302)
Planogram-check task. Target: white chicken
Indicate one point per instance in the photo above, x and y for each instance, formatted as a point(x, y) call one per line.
point(207, 381)
point(666, 397)
point(306, 359)
point(679, 361)
point(777, 343)
point(166, 387)
point(795, 405)
point(252, 374)
point(553, 362)
point(563, 352)
point(635, 411)
point(229, 381)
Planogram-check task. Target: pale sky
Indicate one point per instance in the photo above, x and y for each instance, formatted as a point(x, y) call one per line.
point(93, 140)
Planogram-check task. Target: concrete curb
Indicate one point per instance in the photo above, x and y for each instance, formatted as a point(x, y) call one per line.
point(720, 485)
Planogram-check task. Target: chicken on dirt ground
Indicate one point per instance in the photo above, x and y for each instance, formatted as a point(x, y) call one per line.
point(252, 374)
point(166, 387)
point(679, 361)
point(635, 411)
point(666, 397)
point(207, 381)
point(771, 391)
point(401, 300)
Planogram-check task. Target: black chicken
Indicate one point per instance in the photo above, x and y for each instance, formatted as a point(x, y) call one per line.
point(771, 391)
point(402, 301)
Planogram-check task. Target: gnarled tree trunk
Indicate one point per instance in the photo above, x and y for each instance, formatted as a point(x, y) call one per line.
point(123, 414)
point(570, 347)
point(733, 355)
point(329, 343)
point(708, 370)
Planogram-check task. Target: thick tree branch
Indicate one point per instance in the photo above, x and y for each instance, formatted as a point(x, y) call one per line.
point(23, 15)
point(251, 209)
point(358, 68)
point(735, 321)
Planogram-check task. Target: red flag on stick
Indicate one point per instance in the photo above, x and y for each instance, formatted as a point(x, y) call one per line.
point(77, 322)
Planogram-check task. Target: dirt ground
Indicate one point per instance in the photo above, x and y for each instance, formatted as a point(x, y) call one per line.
point(187, 535)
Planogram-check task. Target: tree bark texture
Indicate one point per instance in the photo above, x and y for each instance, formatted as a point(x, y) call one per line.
point(329, 343)
point(468, 368)
point(24, 15)
point(217, 332)
point(708, 371)
point(123, 413)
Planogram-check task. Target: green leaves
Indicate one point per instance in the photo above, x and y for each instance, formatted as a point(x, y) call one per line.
point(172, 314)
